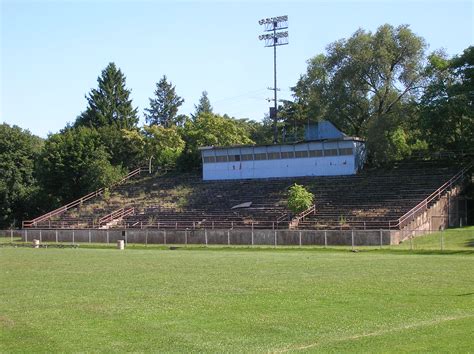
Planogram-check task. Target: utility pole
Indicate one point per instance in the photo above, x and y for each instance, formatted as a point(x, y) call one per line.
point(274, 39)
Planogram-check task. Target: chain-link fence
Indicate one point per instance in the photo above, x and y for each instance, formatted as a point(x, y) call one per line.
point(443, 240)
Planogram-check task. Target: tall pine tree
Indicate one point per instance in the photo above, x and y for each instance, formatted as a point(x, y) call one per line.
point(204, 105)
point(164, 106)
point(110, 103)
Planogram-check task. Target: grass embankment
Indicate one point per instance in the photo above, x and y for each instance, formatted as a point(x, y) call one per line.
point(285, 300)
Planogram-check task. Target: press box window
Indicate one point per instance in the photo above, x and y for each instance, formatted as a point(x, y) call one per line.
point(234, 157)
point(287, 155)
point(316, 153)
point(221, 158)
point(345, 151)
point(261, 156)
point(301, 153)
point(273, 155)
point(330, 152)
point(209, 159)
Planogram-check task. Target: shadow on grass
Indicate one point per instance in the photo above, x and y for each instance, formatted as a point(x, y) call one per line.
point(470, 243)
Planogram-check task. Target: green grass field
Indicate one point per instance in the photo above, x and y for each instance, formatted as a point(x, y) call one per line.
point(208, 300)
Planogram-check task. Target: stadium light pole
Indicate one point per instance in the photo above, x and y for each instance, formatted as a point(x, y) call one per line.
point(274, 39)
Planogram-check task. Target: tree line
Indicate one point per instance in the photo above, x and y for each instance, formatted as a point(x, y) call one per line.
point(381, 86)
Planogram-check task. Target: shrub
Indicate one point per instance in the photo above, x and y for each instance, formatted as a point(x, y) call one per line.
point(299, 198)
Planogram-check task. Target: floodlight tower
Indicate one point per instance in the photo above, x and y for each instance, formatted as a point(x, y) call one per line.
point(274, 39)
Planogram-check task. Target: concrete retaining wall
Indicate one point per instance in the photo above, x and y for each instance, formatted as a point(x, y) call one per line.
point(216, 237)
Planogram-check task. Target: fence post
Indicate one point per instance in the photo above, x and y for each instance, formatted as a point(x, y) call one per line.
point(381, 239)
point(325, 238)
point(26, 235)
point(164, 237)
point(72, 236)
point(90, 236)
point(252, 233)
point(228, 237)
point(56, 234)
point(146, 238)
point(273, 225)
point(186, 237)
point(352, 237)
point(41, 237)
point(275, 238)
point(299, 233)
point(126, 239)
point(442, 240)
point(11, 235)
point(107, 236)
point(205, 236)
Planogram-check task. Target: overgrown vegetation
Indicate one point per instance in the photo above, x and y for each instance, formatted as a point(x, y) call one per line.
point(299, 198)
point(383, 87)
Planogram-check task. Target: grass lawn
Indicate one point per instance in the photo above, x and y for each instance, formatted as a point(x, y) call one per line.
point(234, 300)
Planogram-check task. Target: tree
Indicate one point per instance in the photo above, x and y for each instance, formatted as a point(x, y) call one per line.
point(210, 129)
point(363, 80)
point(75, 163)
point(19, 150)
point(299, 198)
point(110, 103)
point(164, 145)
point(447, 106)
point(204, 105)
point(164, 107)
point(125, 147)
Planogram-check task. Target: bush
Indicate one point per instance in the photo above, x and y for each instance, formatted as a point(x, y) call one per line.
point(299, 198)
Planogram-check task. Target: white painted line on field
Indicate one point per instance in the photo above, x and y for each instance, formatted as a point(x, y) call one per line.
point(376, 333)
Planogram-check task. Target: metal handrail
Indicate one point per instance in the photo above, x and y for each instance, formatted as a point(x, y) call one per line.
point(116, 214)
point(62, 209)
point(423, 205)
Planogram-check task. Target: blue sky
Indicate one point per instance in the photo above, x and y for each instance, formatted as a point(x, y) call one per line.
point(53, 51)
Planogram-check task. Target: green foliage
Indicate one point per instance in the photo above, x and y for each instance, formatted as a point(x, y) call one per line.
point(362, 80)
point(75, 163)
point(109, 104)
point(210, 130)
point(204, 105)
point(447, 106)
point(164, 106)
point(18, 185)
point(125, 147)
point(299, 198)
point(164, 145)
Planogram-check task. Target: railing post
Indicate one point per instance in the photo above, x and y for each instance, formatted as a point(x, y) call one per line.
point(41, 238)
point(228, 237)
point(72, 236)
point(90, 238)
point(381, 239)
point(299, 234)
point(252, 233)
point(164, 237)
point(325, 239)
point(352, 237)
